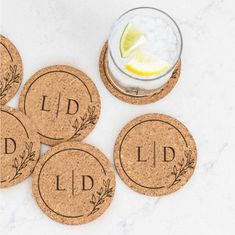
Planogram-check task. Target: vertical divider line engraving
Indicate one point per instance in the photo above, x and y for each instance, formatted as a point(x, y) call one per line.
point(154, 154)
point(57, 182)
point(58, 106)
point(138, 151)
point(73, 182)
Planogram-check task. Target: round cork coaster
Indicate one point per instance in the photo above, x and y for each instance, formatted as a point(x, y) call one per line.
point(73, 183)
point(20, 147)
point(63, 102)
point(11, 70)
point(139, 100)
point(155, 154)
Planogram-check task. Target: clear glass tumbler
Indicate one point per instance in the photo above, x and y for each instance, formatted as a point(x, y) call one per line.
point(144, 48)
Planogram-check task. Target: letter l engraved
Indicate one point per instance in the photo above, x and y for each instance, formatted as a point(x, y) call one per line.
point(139, 155)
point(58, 184)
point(43, 104)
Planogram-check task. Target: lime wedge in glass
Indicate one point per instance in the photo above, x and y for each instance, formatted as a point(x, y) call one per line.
point(131, 40)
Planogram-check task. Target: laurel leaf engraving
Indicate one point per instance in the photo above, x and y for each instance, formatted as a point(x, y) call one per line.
point(102, 195)
point(9, 80)
point(186, 164)
point(86, 120)
point(22, 161)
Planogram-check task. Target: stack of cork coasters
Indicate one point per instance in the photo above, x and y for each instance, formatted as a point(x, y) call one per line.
point(19, 140)
point(73, 182)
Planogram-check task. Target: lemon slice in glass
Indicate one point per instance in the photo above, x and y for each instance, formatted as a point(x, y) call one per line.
point(145, 64)
point(131, 40)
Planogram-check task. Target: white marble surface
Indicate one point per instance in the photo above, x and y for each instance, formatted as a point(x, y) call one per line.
point(48, 32)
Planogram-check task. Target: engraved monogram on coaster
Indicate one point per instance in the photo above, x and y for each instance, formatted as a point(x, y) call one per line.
point(20, 147)
point(138, 100)
point(155, 154)
point(11, 70)
point(73, 183)
point(63, 102)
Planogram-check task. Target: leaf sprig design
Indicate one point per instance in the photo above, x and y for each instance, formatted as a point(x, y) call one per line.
point(100, 197)
point(6, 83)
point(21, 162)
point(87, 119)
point(183, 167)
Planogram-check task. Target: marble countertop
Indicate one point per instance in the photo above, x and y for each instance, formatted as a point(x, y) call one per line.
point(72, 32)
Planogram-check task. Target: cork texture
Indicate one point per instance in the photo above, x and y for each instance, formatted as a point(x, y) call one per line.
point(11, 70)
point(20, 147)
point(138, 100)
point(73, 183)
point(63, 102)
point(155, 154)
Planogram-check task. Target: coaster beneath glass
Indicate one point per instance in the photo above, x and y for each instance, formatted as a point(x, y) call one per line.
point(134, 97)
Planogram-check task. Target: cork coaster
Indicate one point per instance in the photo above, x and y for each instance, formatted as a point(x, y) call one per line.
point(11, 70)
point(20, 147)
point(139, 100)
point(155, 154)
point(63, 102)
point(73, 183)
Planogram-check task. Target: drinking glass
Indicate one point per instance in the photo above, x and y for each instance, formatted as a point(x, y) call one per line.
point(158, 47)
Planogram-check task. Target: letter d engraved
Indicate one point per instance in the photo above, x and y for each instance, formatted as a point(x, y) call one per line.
point(85, 179)
point(43, 108)
point(58, 187)
point(169, 154)
point(9, 150)
point(73, 107)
